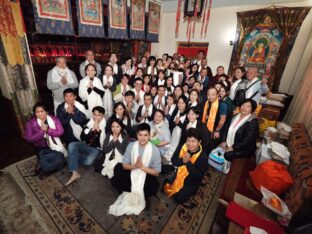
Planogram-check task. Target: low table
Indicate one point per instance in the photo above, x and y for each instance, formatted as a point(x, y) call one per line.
point(253, 206)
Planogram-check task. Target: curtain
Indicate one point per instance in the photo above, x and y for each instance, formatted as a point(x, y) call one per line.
point(300, 110)
point(287, 20)
point(15, 62)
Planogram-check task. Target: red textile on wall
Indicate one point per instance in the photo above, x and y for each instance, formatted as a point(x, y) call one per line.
point(191, 49)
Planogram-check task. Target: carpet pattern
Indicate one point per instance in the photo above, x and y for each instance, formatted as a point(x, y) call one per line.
point(83, 206)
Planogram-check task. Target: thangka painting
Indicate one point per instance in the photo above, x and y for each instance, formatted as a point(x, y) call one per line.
point(53, 9)
point(154, 17)
point(153, 22)
point(53, 17)
point(137, 14)
point(118, 14)
point(137, 20)
point(91, 12)
point(261, 48)
point(90, 18)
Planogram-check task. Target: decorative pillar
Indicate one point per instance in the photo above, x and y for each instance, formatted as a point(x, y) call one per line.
point(18, 84)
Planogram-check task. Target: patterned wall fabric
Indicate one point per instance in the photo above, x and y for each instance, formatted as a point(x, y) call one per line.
point(90, 18)
point(15, 63)
point(117, 19)
point(137, 19)
point(53, 17)
point(153, 21)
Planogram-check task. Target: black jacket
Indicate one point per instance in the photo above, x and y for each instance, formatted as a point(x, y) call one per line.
point(203, 132)
point(196, 171)
point(246, 136)
point(172, 124)
point(139, 114)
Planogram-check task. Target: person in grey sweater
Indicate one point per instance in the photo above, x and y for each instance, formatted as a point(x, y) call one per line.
point(89, 54)
point(60, 78)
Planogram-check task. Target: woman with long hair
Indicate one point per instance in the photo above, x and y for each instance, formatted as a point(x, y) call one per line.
point(114, 146)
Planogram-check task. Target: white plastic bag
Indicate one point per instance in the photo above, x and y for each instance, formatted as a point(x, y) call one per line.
point(277, 205)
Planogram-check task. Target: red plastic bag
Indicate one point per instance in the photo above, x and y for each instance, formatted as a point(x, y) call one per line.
point(271, 175)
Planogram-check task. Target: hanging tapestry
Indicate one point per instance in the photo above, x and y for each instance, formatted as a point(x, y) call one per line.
point(264, 39)
point(90, 18)
point(153, 21)
point(137, 30)
point(117, 19)
point(53, 17)
point(15, 63)
point(261, 47)
point(191, 50)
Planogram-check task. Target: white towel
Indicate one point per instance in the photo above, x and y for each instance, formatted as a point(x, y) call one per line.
point(56, 144)
point(134, 202)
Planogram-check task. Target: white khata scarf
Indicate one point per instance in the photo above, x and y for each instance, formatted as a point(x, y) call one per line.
point(193, 104)
point(175, 137)
point(76, 127)
point(93, 99)
point(156, 129)
point(163, 101)
point(134, 202)
point(191, 124)
point(149, 112)
point(108, 164)
point(149, 70)
point(58, 73)
point(54, 143)
point(115, 68)
point(171, 109)
point(234, 127)
point(161, 82)
point(102, 126)
point(124, 119)
point(108, 98)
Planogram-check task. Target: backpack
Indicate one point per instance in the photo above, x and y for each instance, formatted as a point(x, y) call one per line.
point(240, 94)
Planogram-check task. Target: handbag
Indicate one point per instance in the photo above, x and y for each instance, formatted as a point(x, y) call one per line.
point(50, 160)
point(216, 160)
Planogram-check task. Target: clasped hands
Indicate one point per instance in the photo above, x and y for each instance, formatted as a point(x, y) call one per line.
point(225, 147)
point(138, 164)
point(186, 157)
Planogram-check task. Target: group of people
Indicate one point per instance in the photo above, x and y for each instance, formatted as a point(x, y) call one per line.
point(144, 118)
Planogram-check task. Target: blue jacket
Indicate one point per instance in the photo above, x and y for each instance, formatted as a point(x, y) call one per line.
point(78, 117)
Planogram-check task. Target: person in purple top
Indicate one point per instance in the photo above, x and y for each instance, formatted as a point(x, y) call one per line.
point(43, 131)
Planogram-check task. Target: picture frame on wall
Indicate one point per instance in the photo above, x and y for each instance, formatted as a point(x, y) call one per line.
point(190, 7)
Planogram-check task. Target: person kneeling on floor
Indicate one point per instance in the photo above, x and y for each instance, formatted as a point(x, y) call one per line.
point(136, 177)
point(43, 131)
point(89, 148)
point(191, 163)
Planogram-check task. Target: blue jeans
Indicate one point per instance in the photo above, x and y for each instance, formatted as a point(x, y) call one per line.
point(80, 152)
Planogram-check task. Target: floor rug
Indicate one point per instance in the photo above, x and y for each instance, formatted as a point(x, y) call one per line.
point(83, 206)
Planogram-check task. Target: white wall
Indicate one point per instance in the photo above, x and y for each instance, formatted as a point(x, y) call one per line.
point(221, 30)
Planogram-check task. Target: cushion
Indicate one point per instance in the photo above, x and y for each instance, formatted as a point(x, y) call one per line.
point(301, 171)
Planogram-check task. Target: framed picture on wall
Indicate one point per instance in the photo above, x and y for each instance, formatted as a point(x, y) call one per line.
point(190, 7)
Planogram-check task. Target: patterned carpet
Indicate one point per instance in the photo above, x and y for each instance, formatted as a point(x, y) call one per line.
point(82, 207)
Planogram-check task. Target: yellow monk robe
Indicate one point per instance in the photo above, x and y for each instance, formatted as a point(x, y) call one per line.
point(212, 115)
point(182, 173)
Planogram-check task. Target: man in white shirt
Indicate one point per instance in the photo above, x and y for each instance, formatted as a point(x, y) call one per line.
point(253, 88)
point(60, 78)
point(89, 60)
